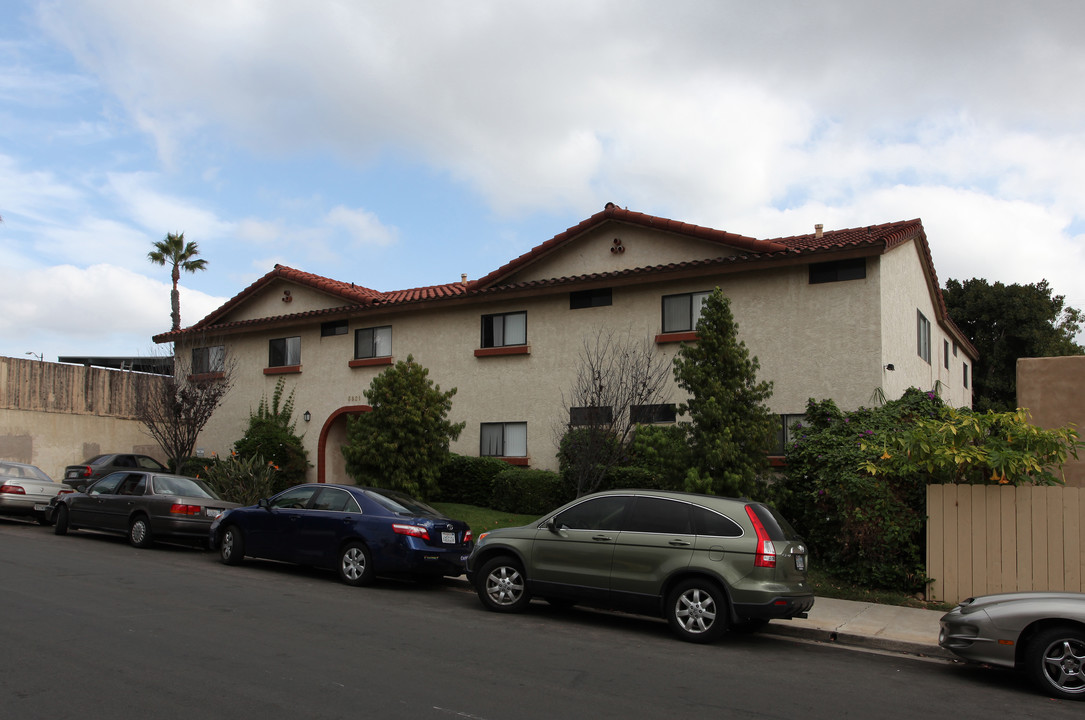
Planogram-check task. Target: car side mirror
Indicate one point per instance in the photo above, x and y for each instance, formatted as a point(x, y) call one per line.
point(552, 526)
point(264, 504)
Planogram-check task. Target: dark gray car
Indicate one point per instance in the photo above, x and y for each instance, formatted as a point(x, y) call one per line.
point(704, 563)
point(1041, 633)
point(101, 465)
point(145, 506)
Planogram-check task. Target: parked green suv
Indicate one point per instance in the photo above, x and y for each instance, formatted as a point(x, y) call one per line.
point(705, 563)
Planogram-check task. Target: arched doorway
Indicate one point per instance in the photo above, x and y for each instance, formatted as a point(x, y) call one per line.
point(330, 465)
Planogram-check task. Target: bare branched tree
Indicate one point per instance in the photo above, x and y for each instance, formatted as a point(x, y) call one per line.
point(621, 380)
point(176, 409)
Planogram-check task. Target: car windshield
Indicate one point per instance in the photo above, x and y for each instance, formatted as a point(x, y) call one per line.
point(401, 504)
point(185, 487)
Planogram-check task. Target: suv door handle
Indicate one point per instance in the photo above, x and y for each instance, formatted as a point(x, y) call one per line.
point(602, 538)
point(679, 543)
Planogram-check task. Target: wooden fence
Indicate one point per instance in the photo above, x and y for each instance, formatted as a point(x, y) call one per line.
point(984, 539)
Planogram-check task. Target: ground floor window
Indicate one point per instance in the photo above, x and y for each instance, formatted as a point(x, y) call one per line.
point(508, 439)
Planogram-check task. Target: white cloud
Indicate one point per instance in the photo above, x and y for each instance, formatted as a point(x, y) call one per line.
point(362, 226)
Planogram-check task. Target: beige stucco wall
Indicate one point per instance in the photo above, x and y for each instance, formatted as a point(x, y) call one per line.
point(911, 291)
point(825, 340)
point(54, 415)
point(1053, 391)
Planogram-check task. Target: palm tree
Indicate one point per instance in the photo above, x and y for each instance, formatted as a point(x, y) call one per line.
point(176, 252)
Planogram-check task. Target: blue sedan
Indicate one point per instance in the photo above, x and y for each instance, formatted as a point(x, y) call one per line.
point(362, 532)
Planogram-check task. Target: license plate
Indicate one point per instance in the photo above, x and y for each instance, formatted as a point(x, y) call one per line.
point(448, 538)
point(41, 508)
point(212, 512)
point(800, 562)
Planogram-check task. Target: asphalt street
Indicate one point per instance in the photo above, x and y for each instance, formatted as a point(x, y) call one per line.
point(93, 628)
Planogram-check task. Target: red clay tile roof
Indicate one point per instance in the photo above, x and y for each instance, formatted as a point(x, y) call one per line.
point(613, 212)
point(873, 239)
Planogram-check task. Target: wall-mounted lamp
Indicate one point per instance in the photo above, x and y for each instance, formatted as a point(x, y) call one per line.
point(307, 416)
point(39, 356)
point(890, 367)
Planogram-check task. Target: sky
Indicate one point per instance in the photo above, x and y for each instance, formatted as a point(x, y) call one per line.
point(402, 144)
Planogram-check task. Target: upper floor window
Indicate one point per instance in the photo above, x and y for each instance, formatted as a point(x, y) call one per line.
point(599, 297)
point(504, 329)
point(208, 360)
point(504, 439)
point(648, 414)
point(965, 367)
point(284, 352)
point(923, 337)
point(945, 354)
point(838, 271)
point(333, 327)
point(681, 312)
point(591, 415)
point(373, 342)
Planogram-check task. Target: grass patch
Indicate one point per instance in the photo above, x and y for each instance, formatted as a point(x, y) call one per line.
point(483, 519)
point(825, 585)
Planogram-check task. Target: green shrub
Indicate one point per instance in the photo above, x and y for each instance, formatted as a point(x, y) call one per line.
point(664, 451)
point(528, 492)
point(271, 437)
point(242, 480)
point(469, 480)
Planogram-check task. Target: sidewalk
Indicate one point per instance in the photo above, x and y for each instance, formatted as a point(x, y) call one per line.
point(862, 624)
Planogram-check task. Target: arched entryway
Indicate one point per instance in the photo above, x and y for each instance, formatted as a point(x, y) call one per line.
point(330, 465)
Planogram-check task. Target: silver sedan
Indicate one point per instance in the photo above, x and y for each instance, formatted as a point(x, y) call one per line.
point(26, 490)
point(1040, 633)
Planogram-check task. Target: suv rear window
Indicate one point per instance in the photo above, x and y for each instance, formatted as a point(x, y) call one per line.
point(777, 527)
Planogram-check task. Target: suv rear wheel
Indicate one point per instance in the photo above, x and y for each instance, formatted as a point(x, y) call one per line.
point(697, 610)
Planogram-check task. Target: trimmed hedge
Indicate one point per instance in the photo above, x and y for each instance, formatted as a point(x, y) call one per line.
point(469, 480)
point(528, 492)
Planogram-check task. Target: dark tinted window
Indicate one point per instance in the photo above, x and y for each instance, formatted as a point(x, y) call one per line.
point(591, 415)
point(336, 500)
point(775, 525)
point(333, 327)
point(646, 414)
point(707, 522)
point(838, 271)
point(656, 515)
point(108, 484)
point(600, 297)
point(402, 504)
point(603, 513)
point(293, 498)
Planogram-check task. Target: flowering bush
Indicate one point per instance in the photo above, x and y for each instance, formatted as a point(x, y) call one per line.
point(856, 481)
point(242, 480)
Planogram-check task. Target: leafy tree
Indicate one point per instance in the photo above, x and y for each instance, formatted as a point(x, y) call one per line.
point(179, 255)
point(732, 429)
point(271, 436)
point(616, 376)
point(1005, 323)
point(242, 480)
point(403, 442)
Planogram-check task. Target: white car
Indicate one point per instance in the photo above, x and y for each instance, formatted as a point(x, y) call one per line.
point(26, 490)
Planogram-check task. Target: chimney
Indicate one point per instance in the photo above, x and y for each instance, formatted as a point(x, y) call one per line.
point(817, 230)
point(463, 279)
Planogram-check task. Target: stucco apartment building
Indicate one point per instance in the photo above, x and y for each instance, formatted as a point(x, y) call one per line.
point(845, 314)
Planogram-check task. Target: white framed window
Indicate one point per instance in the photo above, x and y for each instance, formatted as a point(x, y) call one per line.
point(681, 312)
point(373, 342)
point(504, 329)
point(284, 352)
point(923, 337)
point(208, 360)
point(507, 439)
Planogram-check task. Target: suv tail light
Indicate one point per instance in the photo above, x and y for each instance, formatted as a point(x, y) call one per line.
point(765, 555)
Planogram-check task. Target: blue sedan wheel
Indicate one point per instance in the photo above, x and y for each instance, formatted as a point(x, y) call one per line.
point(355, 564)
